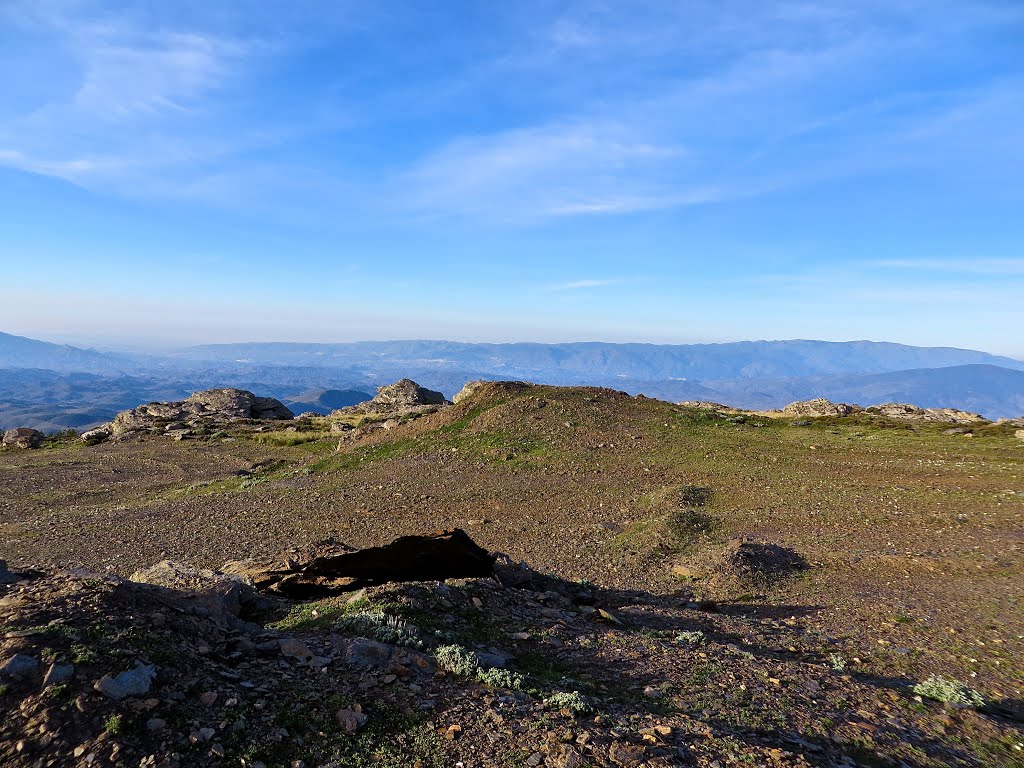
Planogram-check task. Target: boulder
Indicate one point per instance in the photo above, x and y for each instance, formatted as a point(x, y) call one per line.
point(133, 682)
point(223, 596)
point(445, 555)
point(819, 406)
point(1019, 434)
point(211, 405)
point(239, 404)
point(19, 666)
point(468, 389)
point(23, 437)
point(403, 397)
point(94, 436)
point(910, 412)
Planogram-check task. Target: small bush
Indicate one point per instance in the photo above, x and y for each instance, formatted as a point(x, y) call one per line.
point(501, 678)
point(377, 625)
point(83, 654)
point(58, 691)
point(457, 660)
point(694, 637)
point(574, 702)
point(113, 725)
point(837, 662)
point(949, 692)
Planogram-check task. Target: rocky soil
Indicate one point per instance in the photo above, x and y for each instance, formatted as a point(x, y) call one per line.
point(706, 588)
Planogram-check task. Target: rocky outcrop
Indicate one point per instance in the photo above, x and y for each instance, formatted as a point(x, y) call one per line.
point(909, 412)
point(224, 597)
point(401, 398)
point(213, 406)
point(23, 437)
point(468, 390)
point(819, 406)
point(446, 555)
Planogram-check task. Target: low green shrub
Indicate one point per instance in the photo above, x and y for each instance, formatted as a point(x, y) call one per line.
point(574, 702)
point(379, 626)
point(457, 660)
point(501, 678)
point(949, 692)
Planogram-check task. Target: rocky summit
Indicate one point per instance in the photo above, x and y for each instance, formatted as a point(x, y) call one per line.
point(530, 576)
point(401, 398)
point(212, 407)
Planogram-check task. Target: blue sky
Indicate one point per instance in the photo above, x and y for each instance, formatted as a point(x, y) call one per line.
point(647, 171)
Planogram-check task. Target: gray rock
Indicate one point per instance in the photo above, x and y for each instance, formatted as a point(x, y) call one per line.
point(819, 406)
point(212, 405)
point(19, 666)
point(492, 660)
point(351, 720)
point(221, 595)
point(57, 674)
point(133, 682)
point(910, 412)
point(362, 653)
point(95, 436)
point(23, 437)
point(403, 397)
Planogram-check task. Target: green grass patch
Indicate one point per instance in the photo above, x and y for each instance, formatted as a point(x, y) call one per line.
point(285, 439)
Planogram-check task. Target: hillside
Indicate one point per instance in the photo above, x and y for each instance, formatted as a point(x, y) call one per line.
point(717, 589)
point(22, 352)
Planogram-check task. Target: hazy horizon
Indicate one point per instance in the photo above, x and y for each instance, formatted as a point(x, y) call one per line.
point(142, 345)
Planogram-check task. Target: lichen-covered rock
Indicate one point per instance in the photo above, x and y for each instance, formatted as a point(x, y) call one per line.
point(23, 437)
point(403, 397)
point(910, 412)
point(819, 406)
point(210, 406)
point(94, 436)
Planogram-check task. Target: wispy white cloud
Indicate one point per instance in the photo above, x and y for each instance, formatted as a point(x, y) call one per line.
point(968, 266)
point(576, 285)
point(551, 170)
point(131, 107)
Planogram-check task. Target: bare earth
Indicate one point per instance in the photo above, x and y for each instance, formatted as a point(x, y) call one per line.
point(913, 537)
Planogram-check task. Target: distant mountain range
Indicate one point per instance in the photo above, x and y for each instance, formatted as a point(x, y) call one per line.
point(600, 360)
point(52, 386)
